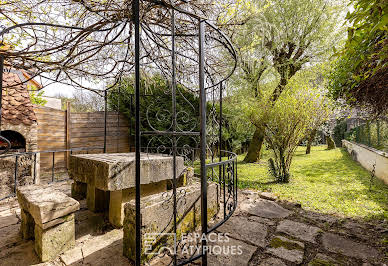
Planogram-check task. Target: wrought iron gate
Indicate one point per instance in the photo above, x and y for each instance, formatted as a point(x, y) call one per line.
point(206, 80)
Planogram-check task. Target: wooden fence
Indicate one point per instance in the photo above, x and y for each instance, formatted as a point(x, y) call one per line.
point(60, 130)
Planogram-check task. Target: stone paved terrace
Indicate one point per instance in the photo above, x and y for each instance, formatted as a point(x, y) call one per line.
point(269, 232)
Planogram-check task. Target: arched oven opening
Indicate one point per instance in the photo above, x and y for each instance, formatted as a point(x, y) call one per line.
point(18, 142)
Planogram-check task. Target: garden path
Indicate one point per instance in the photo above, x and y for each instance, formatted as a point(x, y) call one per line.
point(269, 232)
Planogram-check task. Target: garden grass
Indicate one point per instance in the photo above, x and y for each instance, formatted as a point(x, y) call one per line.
point(327, 181)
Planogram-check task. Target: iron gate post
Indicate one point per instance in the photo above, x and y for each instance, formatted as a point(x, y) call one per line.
point(136, 19)
point(1, 86)
point(202, 109)
point(105, 117)
point(174, 138)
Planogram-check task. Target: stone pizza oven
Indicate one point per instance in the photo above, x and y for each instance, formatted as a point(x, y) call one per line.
point(19, 125)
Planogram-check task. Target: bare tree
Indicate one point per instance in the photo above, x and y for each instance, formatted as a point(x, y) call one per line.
point(81, 43)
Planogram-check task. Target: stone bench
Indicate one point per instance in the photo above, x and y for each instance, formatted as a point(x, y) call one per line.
point(48, 217)
point(157, 217)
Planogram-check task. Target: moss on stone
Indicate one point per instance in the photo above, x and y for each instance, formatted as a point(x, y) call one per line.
point(320, 262)
point(277, 243)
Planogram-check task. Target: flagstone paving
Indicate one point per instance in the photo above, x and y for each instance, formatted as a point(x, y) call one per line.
point(266, 232)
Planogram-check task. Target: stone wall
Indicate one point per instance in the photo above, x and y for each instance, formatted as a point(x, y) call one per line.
point(368, 157)
point(7, 173)
point(30, 133)
point(157, 217)
point(27, 164)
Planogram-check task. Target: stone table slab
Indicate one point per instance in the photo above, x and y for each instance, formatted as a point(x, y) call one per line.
point(116, 171)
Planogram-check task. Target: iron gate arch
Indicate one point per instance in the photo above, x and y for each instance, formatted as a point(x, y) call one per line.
point(223, 169)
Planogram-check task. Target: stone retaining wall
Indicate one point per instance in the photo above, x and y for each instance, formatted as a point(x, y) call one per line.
point(157, 217)
point(368, 157)
point(7, 173)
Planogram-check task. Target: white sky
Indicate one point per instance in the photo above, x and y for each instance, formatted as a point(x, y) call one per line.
point(57, 88)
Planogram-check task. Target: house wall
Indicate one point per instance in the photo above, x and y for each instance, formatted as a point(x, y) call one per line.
point(368, 157)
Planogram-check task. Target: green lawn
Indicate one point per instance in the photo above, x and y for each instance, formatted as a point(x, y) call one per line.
point(324, 181)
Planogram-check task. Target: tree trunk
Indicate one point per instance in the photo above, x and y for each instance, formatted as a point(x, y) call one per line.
point(255, 146)
point(284, 170)
point(310, 140)
point(330, 142)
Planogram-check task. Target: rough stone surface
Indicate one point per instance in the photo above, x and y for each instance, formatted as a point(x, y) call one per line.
point(322, 260)
point(104, 249)
point(10, 236)
point(357, 230)
point(338, 244)
point(287, 249)
point(265, 209)
point(20, 255)
point(116, 171)
point(49, 243)
point(44, 203)
point(261, 220)
point(268, 196)
point(7, 218)
point(157, 213)
point(234, 252)
point(272, 262)
point(299, 230)
point(320, 218)
point(243, 229)
point(98, 244)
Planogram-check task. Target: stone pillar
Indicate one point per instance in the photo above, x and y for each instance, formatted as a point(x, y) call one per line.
point(27, 225)
point(97, 200)
point(118, 199)
point(101, 200)
point(116, 211)
point(51, 242)
point(90, 197)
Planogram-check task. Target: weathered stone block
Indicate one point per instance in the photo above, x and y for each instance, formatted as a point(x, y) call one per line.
point(27, 225)
point(50, 242)
point(119, 198)
point(116, 171)
point(157, 213)
point(45, 204)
